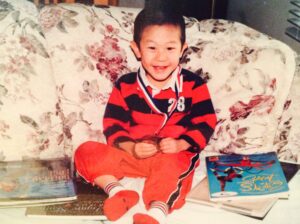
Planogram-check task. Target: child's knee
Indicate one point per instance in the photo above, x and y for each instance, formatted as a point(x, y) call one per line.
point(88, 149)
point(87, 157)
point(93, 159)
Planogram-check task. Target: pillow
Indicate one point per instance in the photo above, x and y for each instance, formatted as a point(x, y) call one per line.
point(29, 124)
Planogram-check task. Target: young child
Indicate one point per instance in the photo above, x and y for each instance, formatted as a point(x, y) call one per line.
point(157, 121)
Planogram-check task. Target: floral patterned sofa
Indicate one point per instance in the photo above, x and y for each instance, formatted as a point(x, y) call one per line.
point(58, 64)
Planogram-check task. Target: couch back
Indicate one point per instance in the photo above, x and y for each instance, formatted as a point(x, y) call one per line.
point(69, 55)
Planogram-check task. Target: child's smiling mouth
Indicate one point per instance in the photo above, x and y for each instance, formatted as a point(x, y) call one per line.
point(160, 68)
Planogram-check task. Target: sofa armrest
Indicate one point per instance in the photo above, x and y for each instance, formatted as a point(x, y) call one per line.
point(287, 140)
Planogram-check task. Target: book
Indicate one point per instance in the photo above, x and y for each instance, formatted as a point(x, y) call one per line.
point(243, 176)
point(258, 207)
point(253, 207)
point(28, 182)
point(289, 169)
point(88, 206)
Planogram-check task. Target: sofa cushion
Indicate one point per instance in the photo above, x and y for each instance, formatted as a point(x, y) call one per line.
point(249, 74)
point(29, 125)
point(89, 48)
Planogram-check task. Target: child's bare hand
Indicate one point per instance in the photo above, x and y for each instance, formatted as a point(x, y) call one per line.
point(144, 150)
point(172, 145)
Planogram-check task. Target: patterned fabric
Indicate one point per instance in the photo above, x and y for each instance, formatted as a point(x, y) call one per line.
point(131, 113)
point(249, 76)
point(287, 139)
point(29, 124)
point(85, 67)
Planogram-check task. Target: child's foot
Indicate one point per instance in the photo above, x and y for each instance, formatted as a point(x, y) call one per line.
point(119, 204)
point(140, 218)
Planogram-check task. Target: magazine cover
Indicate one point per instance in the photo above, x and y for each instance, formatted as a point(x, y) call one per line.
point(239, 176)
point(35, 181)
point(254, 207)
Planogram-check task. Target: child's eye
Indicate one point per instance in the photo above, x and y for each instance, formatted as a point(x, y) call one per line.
point(170, 48)
point(151, 48)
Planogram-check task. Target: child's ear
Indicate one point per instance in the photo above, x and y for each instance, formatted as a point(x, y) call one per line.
point(135, 48)
point(184, 47)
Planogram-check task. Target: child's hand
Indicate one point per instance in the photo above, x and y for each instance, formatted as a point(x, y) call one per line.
point(144, 150)
point(171, 145)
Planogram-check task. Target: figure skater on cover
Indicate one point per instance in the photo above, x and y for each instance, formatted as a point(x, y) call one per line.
point(230, 174)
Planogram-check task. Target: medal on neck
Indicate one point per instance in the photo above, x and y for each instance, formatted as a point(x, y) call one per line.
point(151, 101)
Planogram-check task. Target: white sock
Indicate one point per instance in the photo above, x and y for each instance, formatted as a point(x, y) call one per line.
point(112, 188)
point(159, 211)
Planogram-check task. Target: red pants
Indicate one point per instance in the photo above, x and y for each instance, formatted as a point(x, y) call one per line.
point(168, 176)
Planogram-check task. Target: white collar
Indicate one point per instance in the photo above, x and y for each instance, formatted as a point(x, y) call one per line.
point(155, 90)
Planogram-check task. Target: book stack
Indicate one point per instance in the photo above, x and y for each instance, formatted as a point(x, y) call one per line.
point(48, 188)
point(245, 184)
point(88, 206)
point(35, 182)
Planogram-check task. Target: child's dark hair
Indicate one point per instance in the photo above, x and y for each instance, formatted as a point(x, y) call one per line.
point(158, 16)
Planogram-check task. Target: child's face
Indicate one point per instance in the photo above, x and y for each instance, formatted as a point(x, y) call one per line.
point(160, 50)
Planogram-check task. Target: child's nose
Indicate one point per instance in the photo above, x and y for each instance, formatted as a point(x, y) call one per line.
point(161, 55)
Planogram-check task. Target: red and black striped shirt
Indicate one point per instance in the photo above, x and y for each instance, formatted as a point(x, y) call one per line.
point(129, 116)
